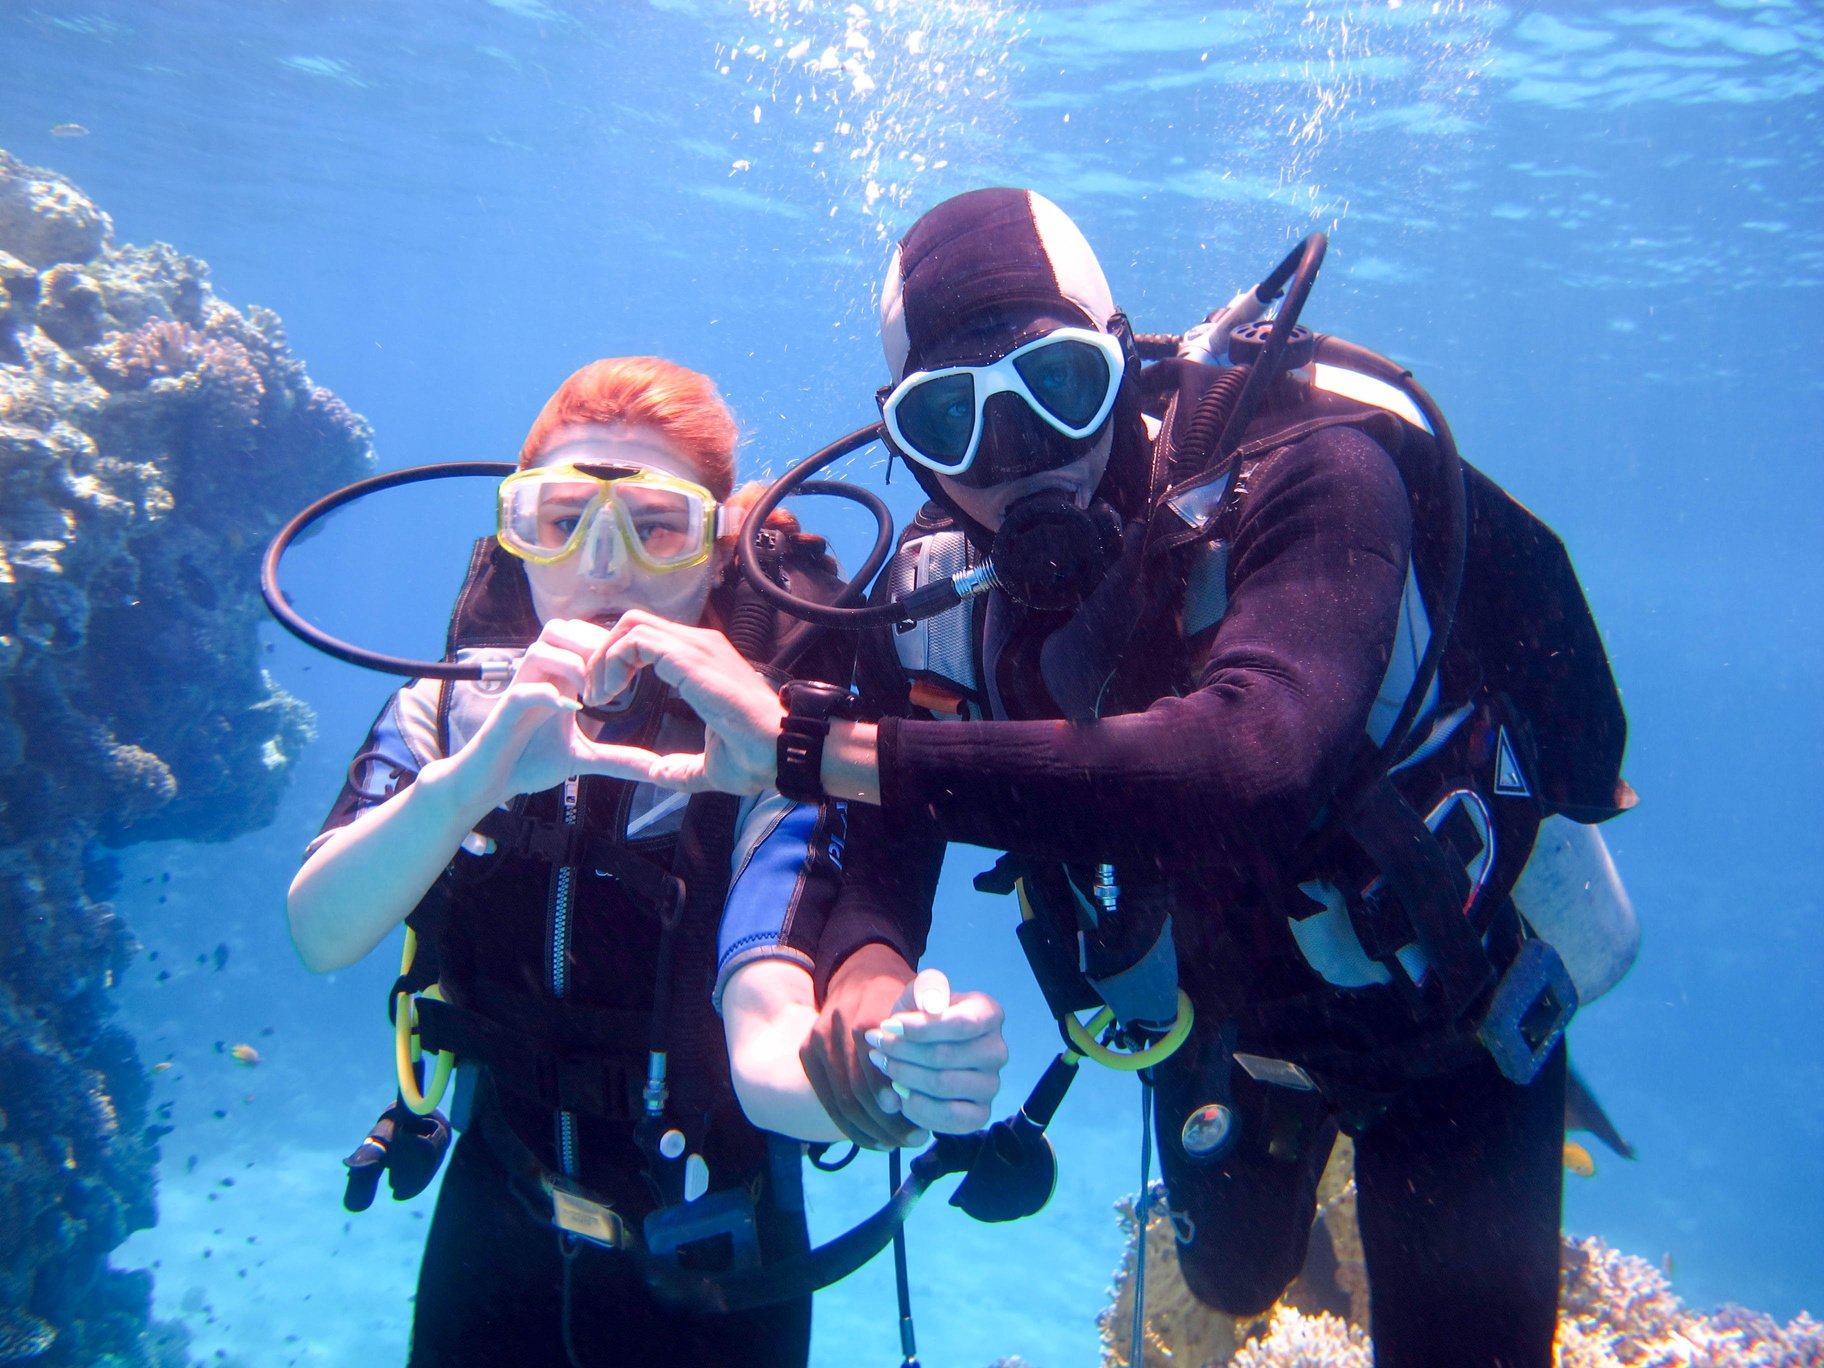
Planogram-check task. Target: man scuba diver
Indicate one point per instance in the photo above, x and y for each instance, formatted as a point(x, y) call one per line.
point(1268, 726)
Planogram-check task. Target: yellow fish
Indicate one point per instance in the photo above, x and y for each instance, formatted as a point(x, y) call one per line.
point(161, 1066)
point(1578, 1160)
point(246, 1054)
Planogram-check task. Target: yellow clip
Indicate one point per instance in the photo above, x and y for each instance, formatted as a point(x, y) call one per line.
point(593, 1221)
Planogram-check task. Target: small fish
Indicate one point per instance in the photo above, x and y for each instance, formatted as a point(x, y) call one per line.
point(1578, 1160)
point(161, 1066)
point(221, 957)
point(69, 130)
point(246, 1054)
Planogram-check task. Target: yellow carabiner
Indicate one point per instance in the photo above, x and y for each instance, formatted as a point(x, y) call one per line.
point(406, 1053)
point(1083, 1038)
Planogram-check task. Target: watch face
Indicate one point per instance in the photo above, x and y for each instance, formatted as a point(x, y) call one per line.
point(812, 698)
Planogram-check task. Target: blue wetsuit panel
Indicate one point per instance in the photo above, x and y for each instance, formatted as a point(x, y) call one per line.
point(764, 895)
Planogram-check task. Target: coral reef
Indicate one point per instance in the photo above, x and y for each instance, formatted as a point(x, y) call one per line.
point(152, 438)
point(1617, 1311)
point(1332, 1288)
point(1296, 1340)
point(1614, 1310)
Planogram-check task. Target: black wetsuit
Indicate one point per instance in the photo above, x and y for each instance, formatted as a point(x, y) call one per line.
point(1210, 794)
point(564, 1067)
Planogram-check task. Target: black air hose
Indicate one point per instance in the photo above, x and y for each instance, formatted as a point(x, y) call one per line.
point(1212, 416)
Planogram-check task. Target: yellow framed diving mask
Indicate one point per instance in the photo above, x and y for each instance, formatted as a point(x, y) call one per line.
point(552, 513)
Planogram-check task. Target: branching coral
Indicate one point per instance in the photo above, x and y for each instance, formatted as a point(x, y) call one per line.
point(132, 704)
point(1294, 1340)
point(180, 363)
point(1617, 1311)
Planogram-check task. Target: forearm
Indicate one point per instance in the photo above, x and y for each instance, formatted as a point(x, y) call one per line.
point(1209, 776)
point(364, 880)
point(768, 1012)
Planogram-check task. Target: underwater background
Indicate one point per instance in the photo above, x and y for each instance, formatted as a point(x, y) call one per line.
point(1593, 231)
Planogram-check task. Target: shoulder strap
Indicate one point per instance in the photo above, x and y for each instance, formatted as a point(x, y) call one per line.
point(494, 606)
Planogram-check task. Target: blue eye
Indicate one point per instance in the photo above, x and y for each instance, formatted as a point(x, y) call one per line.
point(1069, 378)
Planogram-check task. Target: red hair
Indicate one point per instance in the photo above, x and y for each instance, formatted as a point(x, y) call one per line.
point(646, 391)
point(681, 404)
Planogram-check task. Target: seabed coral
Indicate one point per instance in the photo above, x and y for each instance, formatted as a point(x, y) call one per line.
point(152, 438)
point(1614, 1310)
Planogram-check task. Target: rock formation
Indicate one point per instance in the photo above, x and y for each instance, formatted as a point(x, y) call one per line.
point(152, 438)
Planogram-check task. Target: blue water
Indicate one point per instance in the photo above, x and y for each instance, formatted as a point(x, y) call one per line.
point(1593, 231)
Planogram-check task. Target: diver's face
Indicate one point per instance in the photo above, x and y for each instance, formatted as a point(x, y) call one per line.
point(563, 590)
point(1012, 438)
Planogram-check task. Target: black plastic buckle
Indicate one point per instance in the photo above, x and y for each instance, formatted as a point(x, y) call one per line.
point(1532, 1005)
point(718, 1231)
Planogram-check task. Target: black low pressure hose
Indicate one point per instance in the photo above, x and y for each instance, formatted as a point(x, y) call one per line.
point(1300, 266)
point(292, 621)
point(787, 649)
point(921, 603)
point(795, 642)
point(1211, 419)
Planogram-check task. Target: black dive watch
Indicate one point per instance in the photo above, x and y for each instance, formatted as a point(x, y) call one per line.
point(810, 707)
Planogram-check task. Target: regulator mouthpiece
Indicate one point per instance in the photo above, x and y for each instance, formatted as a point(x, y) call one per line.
point(1050, 554)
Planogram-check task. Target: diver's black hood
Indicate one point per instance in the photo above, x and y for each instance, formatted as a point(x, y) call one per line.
point(982, 253)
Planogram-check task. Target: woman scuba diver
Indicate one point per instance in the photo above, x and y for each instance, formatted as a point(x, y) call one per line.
point(573, 936)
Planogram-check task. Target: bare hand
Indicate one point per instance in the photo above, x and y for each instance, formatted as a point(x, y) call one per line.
point(739, 708)
point(942, 1055)
point(861, 994)
point(531, 742)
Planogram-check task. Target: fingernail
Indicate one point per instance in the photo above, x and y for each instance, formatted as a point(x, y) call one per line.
point(931, 991)
point(570, 704)
point(904, 1092)
point(878, 1060)
point(873, 1037)
point(892, 1026)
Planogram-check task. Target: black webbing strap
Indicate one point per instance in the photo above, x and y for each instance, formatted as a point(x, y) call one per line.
point(783, 1280)
point(830, 1262)
point(1430, 885)
point(587, 1082)
point(651, 887)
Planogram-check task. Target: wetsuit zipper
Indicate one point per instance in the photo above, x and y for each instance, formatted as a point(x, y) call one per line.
point(563, 898)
